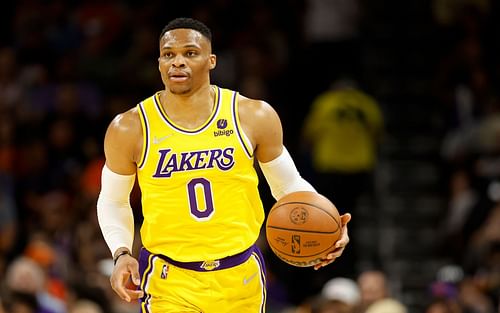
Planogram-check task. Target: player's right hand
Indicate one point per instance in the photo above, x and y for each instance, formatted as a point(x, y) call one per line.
point(126, 267)
point(340, 245)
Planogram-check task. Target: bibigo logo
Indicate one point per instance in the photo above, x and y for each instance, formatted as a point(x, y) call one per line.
point(221, 125)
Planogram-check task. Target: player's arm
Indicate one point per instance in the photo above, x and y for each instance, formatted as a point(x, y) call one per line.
point(262, 125)
point(122, 146)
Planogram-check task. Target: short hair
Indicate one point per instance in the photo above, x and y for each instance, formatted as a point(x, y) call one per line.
point(190, 23)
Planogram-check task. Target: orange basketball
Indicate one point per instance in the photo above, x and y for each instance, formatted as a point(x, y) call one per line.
point(302, 228)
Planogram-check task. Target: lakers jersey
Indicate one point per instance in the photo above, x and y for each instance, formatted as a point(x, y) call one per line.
point(200, 199)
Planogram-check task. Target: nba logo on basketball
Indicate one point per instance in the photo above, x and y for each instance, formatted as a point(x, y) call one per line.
point(296, 244)
point(164, 271)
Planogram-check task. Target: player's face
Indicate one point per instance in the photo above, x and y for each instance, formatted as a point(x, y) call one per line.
point(185, 60)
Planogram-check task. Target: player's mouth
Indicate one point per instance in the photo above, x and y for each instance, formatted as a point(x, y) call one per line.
point(178, 76)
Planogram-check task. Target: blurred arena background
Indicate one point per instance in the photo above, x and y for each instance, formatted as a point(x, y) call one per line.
point(426, 209)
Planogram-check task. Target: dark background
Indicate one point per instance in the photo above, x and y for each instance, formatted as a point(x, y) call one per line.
point(67, 67)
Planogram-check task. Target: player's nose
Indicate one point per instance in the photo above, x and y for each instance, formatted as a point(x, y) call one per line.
point(179, 61)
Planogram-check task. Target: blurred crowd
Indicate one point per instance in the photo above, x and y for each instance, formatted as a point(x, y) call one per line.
point(67, 67)
point(467, 81)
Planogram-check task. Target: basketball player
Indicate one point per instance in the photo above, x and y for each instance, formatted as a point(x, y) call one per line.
point(192, 147)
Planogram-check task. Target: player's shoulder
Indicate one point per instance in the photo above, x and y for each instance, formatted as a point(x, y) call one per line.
point(254, 107)
point(127, 123)
point(258, 117)
point(126, 119)
point(131, 117)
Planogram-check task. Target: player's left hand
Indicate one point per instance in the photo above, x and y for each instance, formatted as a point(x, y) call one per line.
point(339, 246)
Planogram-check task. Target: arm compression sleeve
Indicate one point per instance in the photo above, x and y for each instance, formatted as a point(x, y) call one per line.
point(114, 212)
point(283, 177)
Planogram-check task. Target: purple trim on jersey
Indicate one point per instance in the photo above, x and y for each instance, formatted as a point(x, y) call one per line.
point(144, 260)
point(165, 118)
point(146, 133)
point(204, 266)
point(235, 118)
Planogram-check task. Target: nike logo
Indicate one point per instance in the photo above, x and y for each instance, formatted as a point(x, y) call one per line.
point(246, 280)
point(157, 140)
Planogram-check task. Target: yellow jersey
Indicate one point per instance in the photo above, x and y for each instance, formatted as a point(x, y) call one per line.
point(344, 127)
point(200, 199)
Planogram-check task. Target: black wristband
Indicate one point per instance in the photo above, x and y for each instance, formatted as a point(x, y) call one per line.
point(120, 254)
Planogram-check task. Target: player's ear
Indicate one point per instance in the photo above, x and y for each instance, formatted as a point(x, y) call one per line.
point(213, 61)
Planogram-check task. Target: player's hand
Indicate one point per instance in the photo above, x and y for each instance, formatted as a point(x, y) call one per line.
point(126, 267)
point(339, 245)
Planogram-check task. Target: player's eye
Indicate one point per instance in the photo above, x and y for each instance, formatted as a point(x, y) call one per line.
point(167, 55)
point(191, 53)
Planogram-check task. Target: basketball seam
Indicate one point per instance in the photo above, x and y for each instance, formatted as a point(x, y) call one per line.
point(304, 231)
point(302, 256)
point(298, 202)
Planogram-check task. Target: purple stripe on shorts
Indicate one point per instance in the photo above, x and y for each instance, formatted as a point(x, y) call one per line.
point(207, 266)
point(143, 260)
point(143, 266)
point(260, 258)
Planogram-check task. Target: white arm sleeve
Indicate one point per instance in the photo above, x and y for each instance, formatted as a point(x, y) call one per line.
point(114, 212)
point(283, 177)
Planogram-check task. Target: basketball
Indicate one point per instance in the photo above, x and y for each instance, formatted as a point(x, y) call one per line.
point(302, 228)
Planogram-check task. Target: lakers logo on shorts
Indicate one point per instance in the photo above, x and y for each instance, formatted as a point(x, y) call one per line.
point(210, 265)
point(164, 271)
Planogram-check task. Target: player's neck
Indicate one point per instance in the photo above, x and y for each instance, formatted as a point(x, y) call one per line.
point(189, 110)
point(195, 98)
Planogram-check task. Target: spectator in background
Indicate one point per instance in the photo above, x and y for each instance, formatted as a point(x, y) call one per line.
point(462, 202)
point(373, 287)
point(331, 31)
point(482, 264)
point(341, 134)
point(443, 306)
point(338, 295)
point(342, 295)
point(444, 290)
point(85, 306)
point(11, 89)
point(19, 302)
point(8, 205)
point(474, 157)
point(24, 276)
point(322, 305)
point(473, 298)
point(387, 305)
point(376, 295)
point(8, 220)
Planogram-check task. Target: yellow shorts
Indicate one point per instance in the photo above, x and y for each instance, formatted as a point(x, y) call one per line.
point(233, 284)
